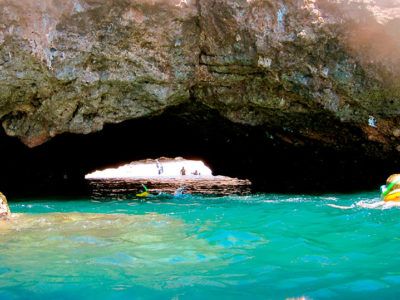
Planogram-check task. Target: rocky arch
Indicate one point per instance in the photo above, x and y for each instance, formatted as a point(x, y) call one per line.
point(274, 160)
point(294, 95)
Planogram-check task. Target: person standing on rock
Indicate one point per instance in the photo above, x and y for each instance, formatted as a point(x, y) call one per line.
point(4, 209)
point(159, 167)
point(183, 171)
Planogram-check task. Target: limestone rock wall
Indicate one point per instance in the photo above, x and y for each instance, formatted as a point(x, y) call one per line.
point(304, 70)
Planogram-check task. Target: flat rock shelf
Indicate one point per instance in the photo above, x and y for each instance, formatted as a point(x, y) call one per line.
point(128, 187)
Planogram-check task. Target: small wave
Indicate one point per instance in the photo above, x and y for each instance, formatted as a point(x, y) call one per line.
point(378, 205)
point(330, 198)
point(382, 205)
point(341, 206)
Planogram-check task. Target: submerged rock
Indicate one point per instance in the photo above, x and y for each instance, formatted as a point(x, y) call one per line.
point(4, 209)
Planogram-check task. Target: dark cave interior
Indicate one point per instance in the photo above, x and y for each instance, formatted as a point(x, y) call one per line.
point(57, 168)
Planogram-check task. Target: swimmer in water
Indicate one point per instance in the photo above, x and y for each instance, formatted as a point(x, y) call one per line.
point(179, 191)
point(390, 196)
point(391, 191)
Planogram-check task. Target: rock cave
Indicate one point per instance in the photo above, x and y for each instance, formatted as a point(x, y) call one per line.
point(297, 96)
point(275, 161)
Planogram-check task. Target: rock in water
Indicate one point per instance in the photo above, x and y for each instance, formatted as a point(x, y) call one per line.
point(4, 209)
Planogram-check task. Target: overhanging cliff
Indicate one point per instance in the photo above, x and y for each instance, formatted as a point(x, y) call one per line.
point(285, 87)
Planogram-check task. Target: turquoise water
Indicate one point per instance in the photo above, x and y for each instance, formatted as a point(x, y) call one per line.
point(242, 247)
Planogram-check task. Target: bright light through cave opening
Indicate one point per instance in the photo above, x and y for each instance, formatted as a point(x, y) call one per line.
point(157, 168)
point(163, 176)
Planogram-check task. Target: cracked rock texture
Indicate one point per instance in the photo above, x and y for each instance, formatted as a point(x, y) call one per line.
point(305, 71)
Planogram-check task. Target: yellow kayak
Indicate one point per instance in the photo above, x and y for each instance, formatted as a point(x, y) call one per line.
point(142, 195)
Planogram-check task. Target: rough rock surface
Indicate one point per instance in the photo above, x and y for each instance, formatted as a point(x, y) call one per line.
point(252, 84)
point(4, 209)
point(305, 71)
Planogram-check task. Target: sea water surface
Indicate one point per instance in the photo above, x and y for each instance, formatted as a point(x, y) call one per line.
point(195, 247)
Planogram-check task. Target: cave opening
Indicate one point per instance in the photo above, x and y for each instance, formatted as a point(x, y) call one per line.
point(266, 158)
point(162, 167)
point(162, 176)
